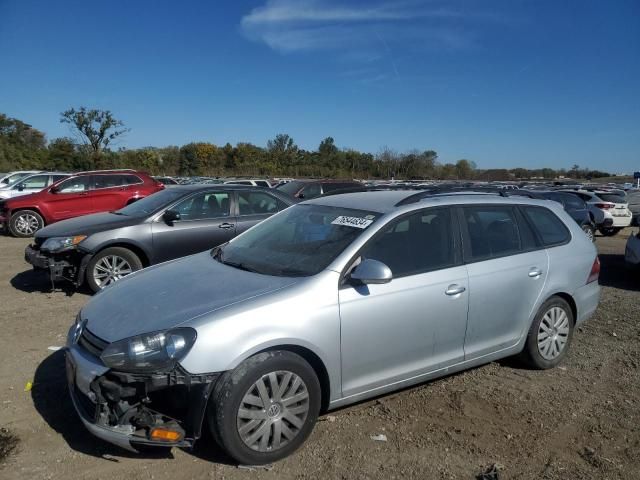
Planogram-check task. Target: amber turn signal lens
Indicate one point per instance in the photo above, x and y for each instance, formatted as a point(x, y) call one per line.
point(165, 435)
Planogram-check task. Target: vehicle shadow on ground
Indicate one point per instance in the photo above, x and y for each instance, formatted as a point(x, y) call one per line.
point(52, 401)
point(614, 273)
point(31, 281)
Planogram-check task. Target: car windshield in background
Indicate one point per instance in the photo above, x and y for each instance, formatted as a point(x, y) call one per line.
point(152, 203)
point(299, 242)
point(290, 188)
point(610, 197)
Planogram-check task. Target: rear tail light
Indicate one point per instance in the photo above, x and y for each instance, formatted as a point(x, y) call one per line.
point(595, 271)
point(604, 206)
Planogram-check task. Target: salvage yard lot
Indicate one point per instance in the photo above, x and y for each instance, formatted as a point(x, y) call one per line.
point(578, 421)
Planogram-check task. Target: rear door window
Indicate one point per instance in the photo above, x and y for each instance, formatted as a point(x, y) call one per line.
point(492, 231)
point(256, 203)
point(572, 202)
point(107, 181)
point(551, 230)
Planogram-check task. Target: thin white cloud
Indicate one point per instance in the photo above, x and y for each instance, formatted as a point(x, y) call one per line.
point(359, 33)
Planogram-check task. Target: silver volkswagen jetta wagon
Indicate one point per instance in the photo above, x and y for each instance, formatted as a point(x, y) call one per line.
point(327, 303)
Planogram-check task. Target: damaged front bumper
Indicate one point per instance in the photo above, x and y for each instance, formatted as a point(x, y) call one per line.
point(125, 409)
point(69, 265)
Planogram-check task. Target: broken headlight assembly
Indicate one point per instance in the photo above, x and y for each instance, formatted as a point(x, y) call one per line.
point(150, 352)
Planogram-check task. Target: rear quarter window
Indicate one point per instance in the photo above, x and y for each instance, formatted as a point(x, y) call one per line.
point(551, 230)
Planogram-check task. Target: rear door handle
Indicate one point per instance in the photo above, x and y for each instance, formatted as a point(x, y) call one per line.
point(226, 225)
point(535, 272)
point(454, 290)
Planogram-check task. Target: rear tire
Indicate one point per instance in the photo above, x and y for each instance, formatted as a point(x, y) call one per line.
point(266, 408)
point(609, 231)
point(110, 265)
point(24, 223)
point(550, 335)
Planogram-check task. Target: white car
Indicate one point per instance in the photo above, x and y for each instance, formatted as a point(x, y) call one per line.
point(258, 182)
point(10, 178)
point(632, 251)
point(31, 184)
point(609, 211)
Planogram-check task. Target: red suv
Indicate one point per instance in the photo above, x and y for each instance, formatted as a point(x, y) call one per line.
point(80, 194)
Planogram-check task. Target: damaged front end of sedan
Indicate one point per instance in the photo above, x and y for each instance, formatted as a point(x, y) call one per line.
point(134, 393)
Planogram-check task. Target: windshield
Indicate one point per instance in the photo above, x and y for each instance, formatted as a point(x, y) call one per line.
point(152, 203)
point(290, 188)
point(301, 241)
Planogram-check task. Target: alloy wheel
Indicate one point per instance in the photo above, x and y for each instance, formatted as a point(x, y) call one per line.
point(273, 411)
point(553, 333)
point(110, 269)
point(27, 224)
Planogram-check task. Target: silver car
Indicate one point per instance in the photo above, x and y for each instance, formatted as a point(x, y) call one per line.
point(327, 303)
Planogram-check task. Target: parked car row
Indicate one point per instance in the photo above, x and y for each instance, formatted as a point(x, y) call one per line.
point(103, 248)
point(75, 195)
point(280, 309)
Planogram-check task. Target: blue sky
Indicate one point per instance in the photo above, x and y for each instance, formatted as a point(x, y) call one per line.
point(504, 83)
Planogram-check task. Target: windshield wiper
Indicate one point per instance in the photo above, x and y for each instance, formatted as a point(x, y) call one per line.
point(238, 265)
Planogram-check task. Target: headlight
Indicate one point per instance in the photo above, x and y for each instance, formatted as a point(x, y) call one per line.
point(60, 244)
point(151, 351)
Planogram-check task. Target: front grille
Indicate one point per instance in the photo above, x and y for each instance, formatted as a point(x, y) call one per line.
point(91, 343)
point(85, 404)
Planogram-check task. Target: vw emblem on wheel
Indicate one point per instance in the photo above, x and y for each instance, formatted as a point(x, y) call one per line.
point(77, 332)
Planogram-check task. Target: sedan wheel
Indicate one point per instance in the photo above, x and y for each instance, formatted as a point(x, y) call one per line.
point(273, 411)
point(589, 232)
point(553, 333)
point(110, 269)
point(110, 265)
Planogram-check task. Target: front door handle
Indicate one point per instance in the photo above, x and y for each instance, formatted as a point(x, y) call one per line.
point(535, 272)
point(454, 290)
point(226, 225)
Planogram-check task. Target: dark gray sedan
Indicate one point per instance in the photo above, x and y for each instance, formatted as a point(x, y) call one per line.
point(100, 249)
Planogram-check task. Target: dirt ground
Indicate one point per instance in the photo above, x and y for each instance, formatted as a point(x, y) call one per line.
point(578, 421)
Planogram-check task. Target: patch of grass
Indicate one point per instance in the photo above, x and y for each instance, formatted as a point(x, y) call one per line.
point(8, 443)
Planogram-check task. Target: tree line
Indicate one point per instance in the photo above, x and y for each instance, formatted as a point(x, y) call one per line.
point(95, 131)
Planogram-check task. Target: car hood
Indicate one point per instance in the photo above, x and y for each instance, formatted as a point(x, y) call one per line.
point(166, 295)
point(86, 225)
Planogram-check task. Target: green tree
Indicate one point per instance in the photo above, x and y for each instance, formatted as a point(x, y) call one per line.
point(96, 128)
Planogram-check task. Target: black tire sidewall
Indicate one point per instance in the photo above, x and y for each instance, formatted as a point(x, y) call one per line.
point(17, 214)
point(230, 390)
point(609, 231)
point(532, 355)
point(128, 255)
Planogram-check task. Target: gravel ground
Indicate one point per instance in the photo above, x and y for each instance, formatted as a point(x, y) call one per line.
point(578, 421)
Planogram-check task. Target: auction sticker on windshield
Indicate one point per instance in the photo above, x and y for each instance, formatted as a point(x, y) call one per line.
point(355, 222)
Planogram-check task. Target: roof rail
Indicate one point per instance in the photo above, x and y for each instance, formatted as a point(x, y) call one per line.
point(432, 192)
point(112, 170)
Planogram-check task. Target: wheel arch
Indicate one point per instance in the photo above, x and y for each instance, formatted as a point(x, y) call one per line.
point(310, 356)
point(34, 209)
point(133, 246)
point(567, 298)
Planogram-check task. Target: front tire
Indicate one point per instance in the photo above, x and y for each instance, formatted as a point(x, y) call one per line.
point(550, 335)
point(266, 408)
point(25, 223)
point(589, 231)
point(110, 265)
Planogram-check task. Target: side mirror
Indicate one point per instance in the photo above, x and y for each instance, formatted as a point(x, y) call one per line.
point(171, 216)
point(21, 187)
point(55, 189)
point(372, 272)
point(301, 195)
